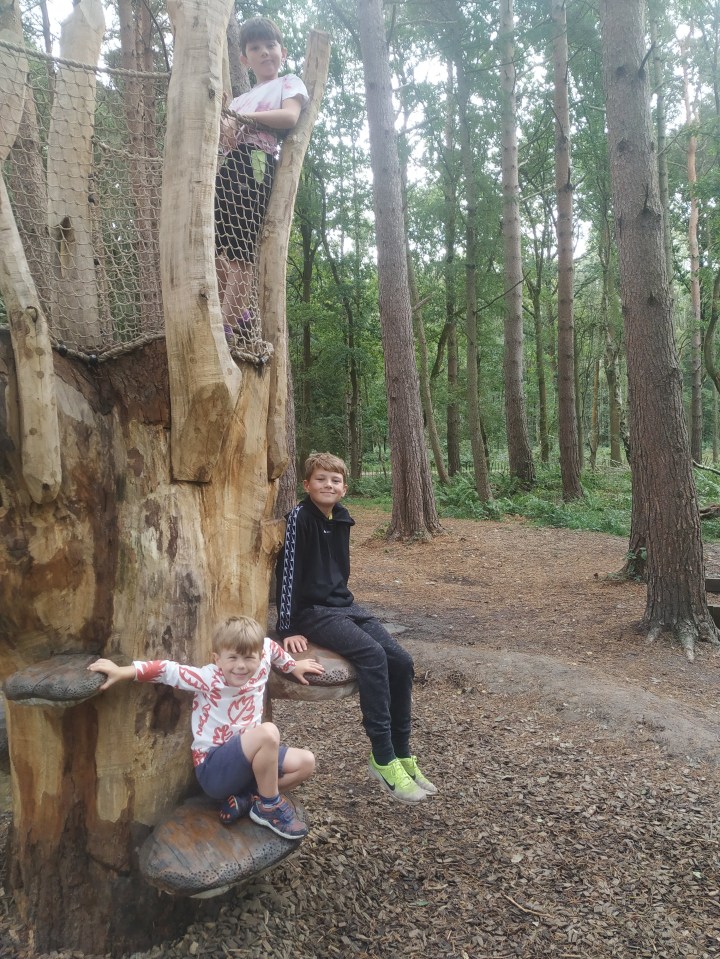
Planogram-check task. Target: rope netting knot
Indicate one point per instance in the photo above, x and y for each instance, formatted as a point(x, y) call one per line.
point(84, 176)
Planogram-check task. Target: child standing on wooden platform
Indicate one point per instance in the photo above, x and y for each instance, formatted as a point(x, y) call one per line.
point(244, 181)
point(234, 752)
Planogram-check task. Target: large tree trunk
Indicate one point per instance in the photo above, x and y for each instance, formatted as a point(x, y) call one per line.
point(608, 315)
point(659, 84)
point(567, 418)
point(418, 323)
point(414, 512)
point(480, 465)
point(424, 373)
point(696, 410)
point(519, 453)
point(662, 468)
point(126, 560)
point(449, 185)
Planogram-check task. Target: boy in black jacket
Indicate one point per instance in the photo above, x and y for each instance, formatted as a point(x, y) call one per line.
point(314, 603)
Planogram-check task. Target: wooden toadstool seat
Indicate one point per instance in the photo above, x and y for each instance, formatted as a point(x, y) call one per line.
point(191, 853)
point(60, 681)
point(337, 682)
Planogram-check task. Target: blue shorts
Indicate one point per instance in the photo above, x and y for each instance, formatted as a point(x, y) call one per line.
point(226, 770)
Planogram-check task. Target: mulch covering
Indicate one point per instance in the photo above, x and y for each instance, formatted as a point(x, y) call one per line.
point(546, 842)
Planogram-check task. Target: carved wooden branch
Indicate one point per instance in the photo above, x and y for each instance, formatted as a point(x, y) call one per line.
point(274, 247)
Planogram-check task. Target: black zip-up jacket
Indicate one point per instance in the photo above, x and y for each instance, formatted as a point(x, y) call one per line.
point(313, 567)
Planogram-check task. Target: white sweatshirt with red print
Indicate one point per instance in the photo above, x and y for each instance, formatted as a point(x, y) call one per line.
point(219, 711)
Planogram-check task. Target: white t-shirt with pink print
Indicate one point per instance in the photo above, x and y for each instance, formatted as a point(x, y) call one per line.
point(218, 710)
point(266, 96)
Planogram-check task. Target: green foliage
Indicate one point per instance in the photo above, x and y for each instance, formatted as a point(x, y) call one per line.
point(373, 490)
point(605, 508)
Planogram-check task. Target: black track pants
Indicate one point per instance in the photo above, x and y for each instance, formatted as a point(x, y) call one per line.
point(384, 670)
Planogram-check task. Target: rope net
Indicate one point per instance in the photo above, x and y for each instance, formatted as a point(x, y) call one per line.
point(84, 177)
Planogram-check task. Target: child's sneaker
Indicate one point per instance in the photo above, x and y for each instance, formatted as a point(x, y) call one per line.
point(234, 808)
point(397, 782)
point(280, 818)
point(414, 772)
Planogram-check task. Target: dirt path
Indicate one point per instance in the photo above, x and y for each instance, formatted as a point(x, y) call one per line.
point(578, 765)
point(537, 604)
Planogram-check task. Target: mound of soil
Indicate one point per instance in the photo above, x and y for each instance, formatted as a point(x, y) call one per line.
point(578, 768)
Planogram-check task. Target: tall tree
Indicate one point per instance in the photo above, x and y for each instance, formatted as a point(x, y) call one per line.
point(519, 453)
point(661, 463)
point(696, 410)
point(567, 419)
point(453, 29)
point(414, 512)
point(449, 180)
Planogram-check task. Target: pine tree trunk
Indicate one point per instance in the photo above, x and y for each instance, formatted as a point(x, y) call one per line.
point(519, 453)
point(696, 410)
point(449, 183)
point(480, 466)
point(414, 513)
point(567, 419)
point(661, 463)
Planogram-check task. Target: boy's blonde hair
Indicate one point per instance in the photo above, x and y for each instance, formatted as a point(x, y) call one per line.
point(259, 28)
point(241, 634)
point(325, 461)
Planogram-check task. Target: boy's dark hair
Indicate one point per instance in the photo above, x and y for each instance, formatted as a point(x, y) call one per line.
point(259, 28)
point(240, 634)
point(325, 461)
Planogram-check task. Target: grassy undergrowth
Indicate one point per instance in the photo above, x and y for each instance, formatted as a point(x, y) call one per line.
point(605, 508)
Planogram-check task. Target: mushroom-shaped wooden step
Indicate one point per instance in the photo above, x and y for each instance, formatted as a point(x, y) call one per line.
point(62, 680)
point(191, 853)
point(337, 682)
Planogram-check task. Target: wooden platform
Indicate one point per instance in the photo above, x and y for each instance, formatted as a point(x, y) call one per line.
point(191, 853)
point(62, 681)
point(337, 682)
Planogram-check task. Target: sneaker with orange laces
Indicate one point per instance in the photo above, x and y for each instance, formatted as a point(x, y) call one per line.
point(281, 818)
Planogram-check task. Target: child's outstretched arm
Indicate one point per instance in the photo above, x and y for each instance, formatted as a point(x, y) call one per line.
point(303, 666)
point(114, 673)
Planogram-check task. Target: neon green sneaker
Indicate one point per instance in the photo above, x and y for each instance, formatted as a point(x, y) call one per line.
point(415, 773)
point(395, 780)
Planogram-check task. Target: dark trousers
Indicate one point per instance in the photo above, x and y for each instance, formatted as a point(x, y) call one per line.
point(384, 670)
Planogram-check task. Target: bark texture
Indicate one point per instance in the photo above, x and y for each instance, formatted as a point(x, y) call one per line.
point(661, 463)
point(414, 513)
point(480, 465)
point(567, 419)
point(519, 453)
